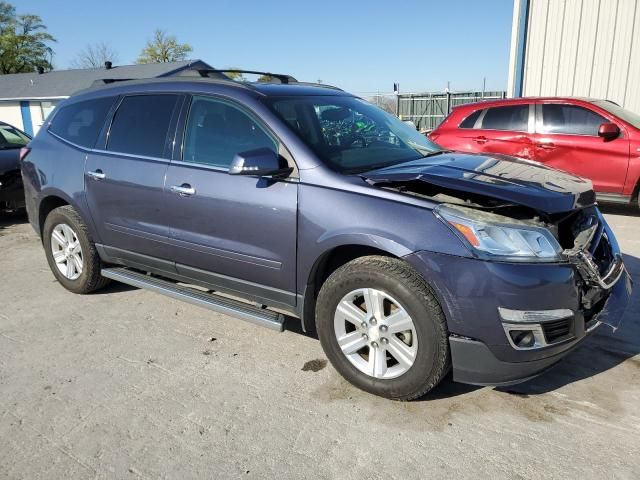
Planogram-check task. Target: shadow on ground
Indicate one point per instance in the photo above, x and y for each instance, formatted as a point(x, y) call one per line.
point(8, 219)
point(628, 210)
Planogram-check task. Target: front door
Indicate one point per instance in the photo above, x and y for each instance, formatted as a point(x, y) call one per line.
point(236, 233)
point(567, 138)
point(124, 180)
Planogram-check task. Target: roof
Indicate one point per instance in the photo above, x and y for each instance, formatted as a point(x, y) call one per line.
point(63, 83)
point(296, 88)
point(520, 100)
point(180, 83)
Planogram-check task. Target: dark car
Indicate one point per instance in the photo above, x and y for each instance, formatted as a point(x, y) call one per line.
point(595, 139)
point(269, 199)
point(12, 141)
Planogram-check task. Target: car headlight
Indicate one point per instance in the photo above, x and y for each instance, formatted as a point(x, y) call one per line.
point(494, 236)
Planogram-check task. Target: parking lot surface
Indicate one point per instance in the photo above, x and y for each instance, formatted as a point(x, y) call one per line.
point(129, 384)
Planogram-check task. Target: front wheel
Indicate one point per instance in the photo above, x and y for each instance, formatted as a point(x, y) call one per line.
point(382, 328)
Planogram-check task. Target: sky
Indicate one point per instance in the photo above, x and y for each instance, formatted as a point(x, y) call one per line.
point(362, 47)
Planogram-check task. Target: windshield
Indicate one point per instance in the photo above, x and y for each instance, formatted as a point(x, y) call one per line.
point(11, 137)
point(349, 134)
point(621, 113)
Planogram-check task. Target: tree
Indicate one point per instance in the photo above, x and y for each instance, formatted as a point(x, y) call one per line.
point(24, 42)
point(164, 48)
point(233, 75)
point(94, 56)
point(388, 104)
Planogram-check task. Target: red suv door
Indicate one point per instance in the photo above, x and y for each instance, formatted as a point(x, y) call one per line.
point(567, 138)
point(501, 129)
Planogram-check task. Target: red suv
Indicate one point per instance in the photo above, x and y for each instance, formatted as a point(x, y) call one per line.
point(595, 139)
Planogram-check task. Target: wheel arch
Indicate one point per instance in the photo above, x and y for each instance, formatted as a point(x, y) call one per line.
point(54, 198)
point(333, 258)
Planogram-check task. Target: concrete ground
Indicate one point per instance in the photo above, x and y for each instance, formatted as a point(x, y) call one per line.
point(129, 384)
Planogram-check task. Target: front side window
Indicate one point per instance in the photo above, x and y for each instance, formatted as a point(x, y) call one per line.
point(11, 137)
point(349, 134)
point(217, 130)
point(81, 122)
point(570, 120)
point(141, 124)
point(513, 118)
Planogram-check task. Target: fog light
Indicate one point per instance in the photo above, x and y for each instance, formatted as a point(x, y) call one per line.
point(523, 338)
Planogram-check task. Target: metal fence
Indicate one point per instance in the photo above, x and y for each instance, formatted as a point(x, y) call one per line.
point(427, 110)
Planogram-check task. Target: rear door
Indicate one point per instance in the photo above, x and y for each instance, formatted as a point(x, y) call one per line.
point(567, 138)
point(503, 129)
point(237, 233)
point(124, 178)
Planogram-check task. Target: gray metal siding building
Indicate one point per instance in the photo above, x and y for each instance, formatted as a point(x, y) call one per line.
point(586, 48)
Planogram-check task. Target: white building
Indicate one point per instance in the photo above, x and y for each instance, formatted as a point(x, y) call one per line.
point(27, 98)
point(585, 48)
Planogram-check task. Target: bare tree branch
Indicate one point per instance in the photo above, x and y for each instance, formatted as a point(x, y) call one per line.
point(94, 56)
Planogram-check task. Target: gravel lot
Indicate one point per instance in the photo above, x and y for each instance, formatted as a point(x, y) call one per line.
point(127, 383)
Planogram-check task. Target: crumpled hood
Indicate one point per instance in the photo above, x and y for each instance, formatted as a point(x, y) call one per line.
point(499, 176)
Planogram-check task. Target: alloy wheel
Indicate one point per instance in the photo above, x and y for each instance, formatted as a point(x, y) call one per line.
point(66, 250)
point(375, 333)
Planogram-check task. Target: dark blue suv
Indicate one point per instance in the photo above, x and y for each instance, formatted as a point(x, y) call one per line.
point(266, 200)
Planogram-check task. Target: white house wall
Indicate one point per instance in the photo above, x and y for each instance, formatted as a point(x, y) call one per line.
point(10, 113)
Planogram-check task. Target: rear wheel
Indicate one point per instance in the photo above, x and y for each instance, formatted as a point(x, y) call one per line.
point(382, 328)
point(71, 254)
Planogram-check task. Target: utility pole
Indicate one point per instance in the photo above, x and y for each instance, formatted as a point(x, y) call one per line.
point(396, 90)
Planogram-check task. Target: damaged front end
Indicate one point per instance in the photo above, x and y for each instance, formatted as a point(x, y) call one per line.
point(596, 256)
point(496, 229)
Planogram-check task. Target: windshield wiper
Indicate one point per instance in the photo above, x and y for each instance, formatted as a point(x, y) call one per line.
point(437, 152)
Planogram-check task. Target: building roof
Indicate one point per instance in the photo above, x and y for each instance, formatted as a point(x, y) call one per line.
point(63, 83)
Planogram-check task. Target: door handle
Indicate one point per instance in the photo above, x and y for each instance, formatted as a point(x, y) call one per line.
point(546, 145)
point(184, 190)
point(480, 139)
point(97, 175)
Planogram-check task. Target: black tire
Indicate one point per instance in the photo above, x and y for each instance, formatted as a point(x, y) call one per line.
point(398, 279)
point(90, 279)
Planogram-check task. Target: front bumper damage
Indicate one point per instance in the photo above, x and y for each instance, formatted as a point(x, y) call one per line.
point(473, 292)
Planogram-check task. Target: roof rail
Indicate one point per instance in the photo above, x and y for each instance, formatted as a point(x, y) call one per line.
point(107, 81)
point(280, 76)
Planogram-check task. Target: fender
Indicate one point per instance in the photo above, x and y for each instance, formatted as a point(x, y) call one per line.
point(77, 201)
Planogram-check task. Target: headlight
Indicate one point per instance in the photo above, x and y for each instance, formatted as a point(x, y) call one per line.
point(495, 236)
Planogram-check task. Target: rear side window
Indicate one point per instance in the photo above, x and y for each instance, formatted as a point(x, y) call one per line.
point(81, 122)
point(512, 118)
point(470, 121)
point(141, 124)
point(217, 130)
point(570, 120)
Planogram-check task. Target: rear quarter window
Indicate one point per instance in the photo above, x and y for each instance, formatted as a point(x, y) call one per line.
point(470, 121)
point(80, 123)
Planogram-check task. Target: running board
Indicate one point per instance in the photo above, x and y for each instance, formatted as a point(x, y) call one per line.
point(217, 303)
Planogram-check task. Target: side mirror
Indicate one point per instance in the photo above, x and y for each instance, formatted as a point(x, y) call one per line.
point(262, 162)
point(609, 131)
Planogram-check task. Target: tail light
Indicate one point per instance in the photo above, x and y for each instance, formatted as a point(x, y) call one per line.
point(24, 151)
